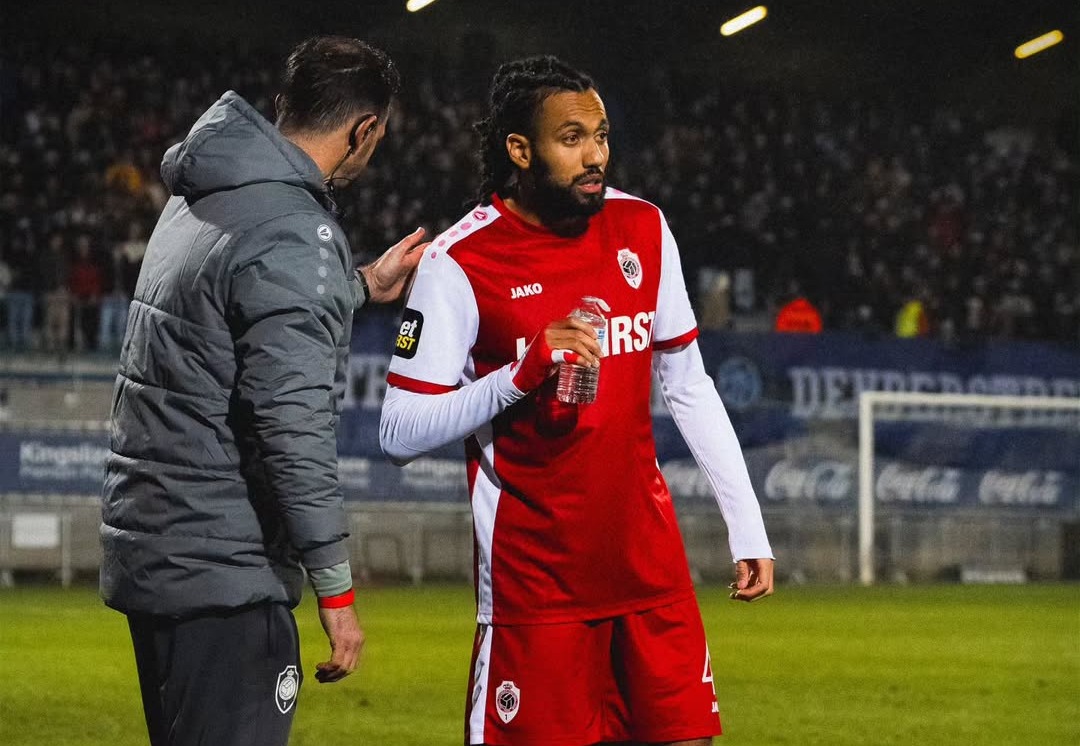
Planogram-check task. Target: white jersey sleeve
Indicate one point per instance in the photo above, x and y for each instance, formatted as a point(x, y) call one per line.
point(704, 424)
point(438, 328)
point(414, 424)
point(432, 399)
point(674, 324)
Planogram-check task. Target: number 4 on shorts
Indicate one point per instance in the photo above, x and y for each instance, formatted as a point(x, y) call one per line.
point(707, 678)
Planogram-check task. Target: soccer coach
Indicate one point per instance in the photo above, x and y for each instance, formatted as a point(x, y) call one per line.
point(221, 490)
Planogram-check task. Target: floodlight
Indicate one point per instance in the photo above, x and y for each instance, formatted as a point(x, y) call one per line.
point(739, 22)
point(1038, 44)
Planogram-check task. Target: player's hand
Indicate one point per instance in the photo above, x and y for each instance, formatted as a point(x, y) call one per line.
point(753, 579)
point(388, 275)
point(346, 641)
point(564, 341)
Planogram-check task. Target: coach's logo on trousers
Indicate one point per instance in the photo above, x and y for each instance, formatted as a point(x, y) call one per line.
point(507, 700)
point(288, 684)
point(522, 291)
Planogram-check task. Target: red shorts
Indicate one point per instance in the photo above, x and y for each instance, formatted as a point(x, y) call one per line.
point(641, 677)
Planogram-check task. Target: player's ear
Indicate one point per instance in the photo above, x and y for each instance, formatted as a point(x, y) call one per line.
point(519, 150)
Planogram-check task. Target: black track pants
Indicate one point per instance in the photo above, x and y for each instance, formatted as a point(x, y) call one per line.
point(220, 680)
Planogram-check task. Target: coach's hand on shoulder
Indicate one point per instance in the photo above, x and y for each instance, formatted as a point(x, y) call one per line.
point(566, 340)
point(388, 275)
point(753, 579)
point(346, 641)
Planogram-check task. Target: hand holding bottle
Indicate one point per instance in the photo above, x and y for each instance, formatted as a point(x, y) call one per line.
point(578, 382)
point(570, 340)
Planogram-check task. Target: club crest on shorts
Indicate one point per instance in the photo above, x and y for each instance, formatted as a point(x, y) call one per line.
point(288, 686)
point(507, 700)
point(630, 265)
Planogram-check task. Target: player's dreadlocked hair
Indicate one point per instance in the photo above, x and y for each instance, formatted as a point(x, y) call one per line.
point(517, 91)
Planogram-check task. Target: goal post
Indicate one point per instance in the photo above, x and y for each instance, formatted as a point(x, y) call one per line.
point(971, 410)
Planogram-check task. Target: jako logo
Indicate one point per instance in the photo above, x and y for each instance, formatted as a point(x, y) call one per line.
point(522, 291)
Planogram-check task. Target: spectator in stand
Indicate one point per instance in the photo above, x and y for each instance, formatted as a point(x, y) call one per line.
point(53, 267)
point(85, 281)
point(126, 260)
point(124, 175)
point(780, 185)
point(5, 278)
point(912, 320)
point(20, 294)
point(798, 315)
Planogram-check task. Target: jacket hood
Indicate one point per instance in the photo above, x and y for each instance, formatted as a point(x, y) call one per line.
point(232, 145)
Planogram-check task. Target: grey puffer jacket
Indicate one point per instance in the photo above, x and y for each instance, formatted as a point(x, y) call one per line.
point(222, 480)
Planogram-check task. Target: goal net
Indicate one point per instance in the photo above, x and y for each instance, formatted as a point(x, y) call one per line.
point(969, 487)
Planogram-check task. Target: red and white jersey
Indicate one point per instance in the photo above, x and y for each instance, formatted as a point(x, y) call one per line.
point(573, 518)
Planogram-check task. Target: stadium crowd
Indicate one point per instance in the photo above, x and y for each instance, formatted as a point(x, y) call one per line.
point(865, 208)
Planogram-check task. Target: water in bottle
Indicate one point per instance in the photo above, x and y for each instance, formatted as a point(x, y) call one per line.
point(577, 383)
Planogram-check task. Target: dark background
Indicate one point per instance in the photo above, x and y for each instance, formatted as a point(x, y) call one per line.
point(935, 51)
point(862, 153)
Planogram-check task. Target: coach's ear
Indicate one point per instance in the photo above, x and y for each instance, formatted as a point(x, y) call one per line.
point(519, 150)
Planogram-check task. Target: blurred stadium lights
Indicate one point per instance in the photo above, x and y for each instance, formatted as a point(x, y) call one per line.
point(741, 21)
point(1038, 44)
point(414, 5)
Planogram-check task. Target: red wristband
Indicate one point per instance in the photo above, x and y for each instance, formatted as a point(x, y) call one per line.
point(339, 601)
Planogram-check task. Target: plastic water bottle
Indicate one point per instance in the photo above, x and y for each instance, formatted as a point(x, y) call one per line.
point(577, 383)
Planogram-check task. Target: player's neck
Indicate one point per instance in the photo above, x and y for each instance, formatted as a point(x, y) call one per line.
point(533, 215)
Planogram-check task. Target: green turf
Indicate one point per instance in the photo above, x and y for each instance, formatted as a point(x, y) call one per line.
point(953, 665)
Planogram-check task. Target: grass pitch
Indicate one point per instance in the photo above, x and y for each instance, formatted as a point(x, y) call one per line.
point(812, 665)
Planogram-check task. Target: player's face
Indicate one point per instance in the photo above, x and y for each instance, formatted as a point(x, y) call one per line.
point(570, 154)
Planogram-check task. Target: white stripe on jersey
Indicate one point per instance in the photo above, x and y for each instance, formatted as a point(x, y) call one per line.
point(479, 217)
point(485, 504)
point(482, 667)
point(613, 193)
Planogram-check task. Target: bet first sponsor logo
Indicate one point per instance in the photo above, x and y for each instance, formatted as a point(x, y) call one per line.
point(408, 337)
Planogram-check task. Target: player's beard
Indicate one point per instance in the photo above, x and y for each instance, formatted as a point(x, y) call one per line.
point(556, 202)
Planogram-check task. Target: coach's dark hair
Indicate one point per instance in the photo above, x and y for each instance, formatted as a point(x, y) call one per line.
point(517, 91)
point(330, 79)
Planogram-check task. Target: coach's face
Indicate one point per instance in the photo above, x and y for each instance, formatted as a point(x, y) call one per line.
point(566, 160)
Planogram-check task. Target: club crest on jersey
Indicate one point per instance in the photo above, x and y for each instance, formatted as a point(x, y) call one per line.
point(522, 291)
point(630, 265)
point(507, 700)
point(408, 337)
point(288, 685)
point(324, 232)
